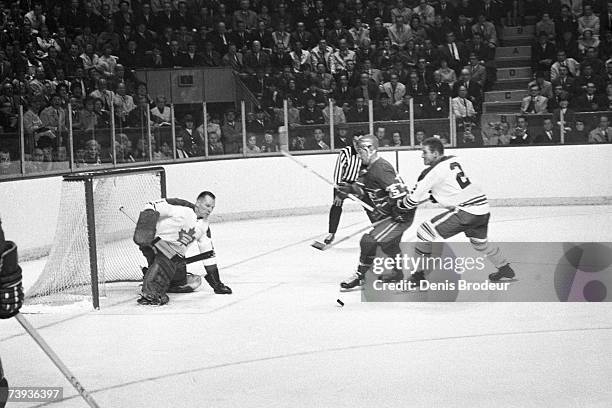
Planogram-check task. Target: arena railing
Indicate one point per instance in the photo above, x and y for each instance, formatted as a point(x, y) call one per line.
point(574, 128)
point(96, 139)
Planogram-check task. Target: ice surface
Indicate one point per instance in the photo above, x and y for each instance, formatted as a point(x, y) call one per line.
point(281, 340)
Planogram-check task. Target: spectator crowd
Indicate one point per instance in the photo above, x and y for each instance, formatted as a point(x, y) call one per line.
point(327, 59)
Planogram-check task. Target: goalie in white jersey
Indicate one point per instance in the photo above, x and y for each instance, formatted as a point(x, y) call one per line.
point(165, 229)
point(445, 182)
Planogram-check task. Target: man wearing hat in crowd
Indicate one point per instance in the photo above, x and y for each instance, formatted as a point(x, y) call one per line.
point(191, 141)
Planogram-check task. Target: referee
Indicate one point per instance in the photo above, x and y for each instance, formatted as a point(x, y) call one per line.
point(346, 170)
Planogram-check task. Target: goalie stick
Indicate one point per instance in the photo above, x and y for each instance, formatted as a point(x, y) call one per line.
point(178, 259)
point(56, 360)
point(325, 179)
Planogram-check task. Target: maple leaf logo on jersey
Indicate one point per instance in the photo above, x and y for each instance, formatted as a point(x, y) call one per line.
point(186, 237)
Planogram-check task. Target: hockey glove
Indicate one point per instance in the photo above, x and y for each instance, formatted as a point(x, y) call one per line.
point(397, 190)
point(11, 289)
point(344, 189)
point(378, 214)
point(402, 214)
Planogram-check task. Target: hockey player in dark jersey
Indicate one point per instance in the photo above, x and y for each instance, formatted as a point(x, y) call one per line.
point(11, 294)
point(371, 186)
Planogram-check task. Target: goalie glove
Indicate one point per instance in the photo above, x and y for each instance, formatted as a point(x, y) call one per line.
point(11, 289)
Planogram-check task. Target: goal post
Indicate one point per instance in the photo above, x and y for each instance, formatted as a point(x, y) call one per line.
point(93, 243)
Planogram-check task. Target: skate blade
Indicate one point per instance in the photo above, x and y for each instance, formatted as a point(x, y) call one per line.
point(318, 245)
point(355, 289)
point(141, 302)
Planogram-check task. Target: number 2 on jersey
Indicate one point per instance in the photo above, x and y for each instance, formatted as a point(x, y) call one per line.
point(462, 180)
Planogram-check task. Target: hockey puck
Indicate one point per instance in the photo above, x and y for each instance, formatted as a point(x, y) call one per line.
point(341, 303)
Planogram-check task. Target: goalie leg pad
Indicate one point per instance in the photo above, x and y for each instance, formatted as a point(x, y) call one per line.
point(3, 389)
point(189, 284)
point(157, 280)
point(149, 254)
point(180, 276)
point(11, 289)
point(8, 259)
point(144, 234)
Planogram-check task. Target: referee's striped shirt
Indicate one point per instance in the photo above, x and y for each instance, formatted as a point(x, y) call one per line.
point(348, 165)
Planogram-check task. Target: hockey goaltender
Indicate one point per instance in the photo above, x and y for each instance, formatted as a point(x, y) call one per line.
point(164, 230)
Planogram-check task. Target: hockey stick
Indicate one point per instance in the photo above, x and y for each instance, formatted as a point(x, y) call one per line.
point(179, 260)
point(122, 209)
point(325, 179)
point(56, 360)
point(323, 247)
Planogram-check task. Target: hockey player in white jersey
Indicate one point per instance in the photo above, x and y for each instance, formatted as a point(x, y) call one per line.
point(165, 229)
point(467, 208)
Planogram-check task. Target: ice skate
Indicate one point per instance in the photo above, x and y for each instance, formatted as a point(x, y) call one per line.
point(150, 300)
point(356, 279)
point(394, 276)
point(218, 287)
point(504, 272)
point(416, 278)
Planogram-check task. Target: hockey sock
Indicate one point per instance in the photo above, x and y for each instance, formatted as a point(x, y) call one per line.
point(334, 218)
point(426, 233)
point(148, 253)
point(492, 252)
point(363, 268)
point(368, 249)
point(392, 247)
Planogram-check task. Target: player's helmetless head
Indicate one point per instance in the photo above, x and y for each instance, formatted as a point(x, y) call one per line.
point(432, 150)
point(205, 204)
point(367, 147)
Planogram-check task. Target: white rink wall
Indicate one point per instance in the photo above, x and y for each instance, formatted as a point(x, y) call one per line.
point(269, 186)
point(547, 172)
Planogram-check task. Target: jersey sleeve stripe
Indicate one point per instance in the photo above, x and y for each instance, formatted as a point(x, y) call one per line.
point(473, 200)
point(482, 202)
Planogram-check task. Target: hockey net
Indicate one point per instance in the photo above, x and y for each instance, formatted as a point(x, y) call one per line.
point(93, 238)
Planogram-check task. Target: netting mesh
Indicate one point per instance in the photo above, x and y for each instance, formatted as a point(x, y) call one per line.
point(66, 276)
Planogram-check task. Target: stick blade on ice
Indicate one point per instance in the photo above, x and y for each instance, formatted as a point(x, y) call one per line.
point(318, 245)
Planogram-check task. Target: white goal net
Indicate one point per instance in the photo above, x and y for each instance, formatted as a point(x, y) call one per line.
point(93, 238)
